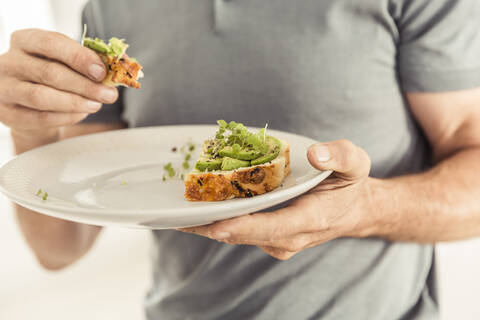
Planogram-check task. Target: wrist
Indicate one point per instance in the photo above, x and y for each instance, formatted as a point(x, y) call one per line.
point(25, 140)
point(370, 208)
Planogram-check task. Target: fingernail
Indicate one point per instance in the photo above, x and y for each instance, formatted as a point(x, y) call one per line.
point(322, 153)
point(96, 71)
point(93, 106)
point(220, 235)
point(108, 95)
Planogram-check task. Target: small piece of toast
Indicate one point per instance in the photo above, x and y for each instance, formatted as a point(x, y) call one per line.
point(121, 71)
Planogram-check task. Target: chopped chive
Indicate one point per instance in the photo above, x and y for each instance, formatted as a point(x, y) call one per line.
point(188, 157)
point(45, 196)
point(124, 183)
point(182, 176)
point(186, 165)
point(39, 192)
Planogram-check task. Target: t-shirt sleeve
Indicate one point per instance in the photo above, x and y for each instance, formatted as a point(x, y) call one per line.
point(438, 45)
point(109, 113)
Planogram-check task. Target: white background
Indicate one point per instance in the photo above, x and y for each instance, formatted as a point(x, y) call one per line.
point(110, 282)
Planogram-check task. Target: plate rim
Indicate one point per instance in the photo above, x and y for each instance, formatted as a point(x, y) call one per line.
point(97, 213)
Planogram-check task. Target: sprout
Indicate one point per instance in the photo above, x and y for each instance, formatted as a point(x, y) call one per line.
point(169, 168)
point(222, 123)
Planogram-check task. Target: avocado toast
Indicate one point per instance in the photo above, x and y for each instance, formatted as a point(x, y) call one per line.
point(122, 70)
point(237, 163)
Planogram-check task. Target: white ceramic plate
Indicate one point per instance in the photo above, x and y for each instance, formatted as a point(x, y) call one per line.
point(115, 178)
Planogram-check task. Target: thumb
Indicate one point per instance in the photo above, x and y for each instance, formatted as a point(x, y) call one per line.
point(342, 156)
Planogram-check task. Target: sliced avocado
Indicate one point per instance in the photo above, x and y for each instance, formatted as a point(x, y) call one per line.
point(243, 154)
point(97, 45)
point(232, 164)
point(118, 46)
point(208, 164)
point(274, 146)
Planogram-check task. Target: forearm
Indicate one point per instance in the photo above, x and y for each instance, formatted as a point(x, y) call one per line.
point(55, 242)
point(441, 204)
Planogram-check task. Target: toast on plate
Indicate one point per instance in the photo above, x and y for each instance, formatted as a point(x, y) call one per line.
point(238, 164)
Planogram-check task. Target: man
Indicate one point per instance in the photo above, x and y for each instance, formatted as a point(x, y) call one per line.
point(398, 79)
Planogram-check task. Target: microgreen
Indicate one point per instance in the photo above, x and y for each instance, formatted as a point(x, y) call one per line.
point(237, 136)
point(169, 168)
point(42, 194)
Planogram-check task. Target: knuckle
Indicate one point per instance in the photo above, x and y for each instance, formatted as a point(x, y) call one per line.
point(347, 144)
point(78, 58)
point(294, 245)
point(367, 163)
point(46, 118)
point(7, 91)
point(49, 74)
point(91, 90)
point(34, 95)
point(46, 41)
point(16, 36)
point(76, 104)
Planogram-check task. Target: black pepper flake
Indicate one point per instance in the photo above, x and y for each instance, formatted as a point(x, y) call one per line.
point(174, 149)
point(199, 181)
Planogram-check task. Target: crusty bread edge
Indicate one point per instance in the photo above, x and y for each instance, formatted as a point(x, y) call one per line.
point(240, 183)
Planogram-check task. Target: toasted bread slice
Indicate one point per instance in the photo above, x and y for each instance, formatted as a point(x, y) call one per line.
point(239, 183)
point(123, 71)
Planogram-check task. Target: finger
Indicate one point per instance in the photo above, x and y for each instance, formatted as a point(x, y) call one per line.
point(59, 76)
point(59, 47)
point(23, 118)
point(43, 98)
point(262, 229)
point(346, 159)
point(278, 253)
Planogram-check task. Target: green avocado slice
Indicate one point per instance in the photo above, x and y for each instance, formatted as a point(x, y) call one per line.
point(208, 164)
point(243, 154)
point(232, 164)
point(97, 45)
point(274, 146)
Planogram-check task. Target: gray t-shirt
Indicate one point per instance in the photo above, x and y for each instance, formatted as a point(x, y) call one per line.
point(326, 69)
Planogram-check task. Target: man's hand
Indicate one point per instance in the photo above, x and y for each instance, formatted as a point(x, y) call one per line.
point(335, 208)
point(48, 80)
